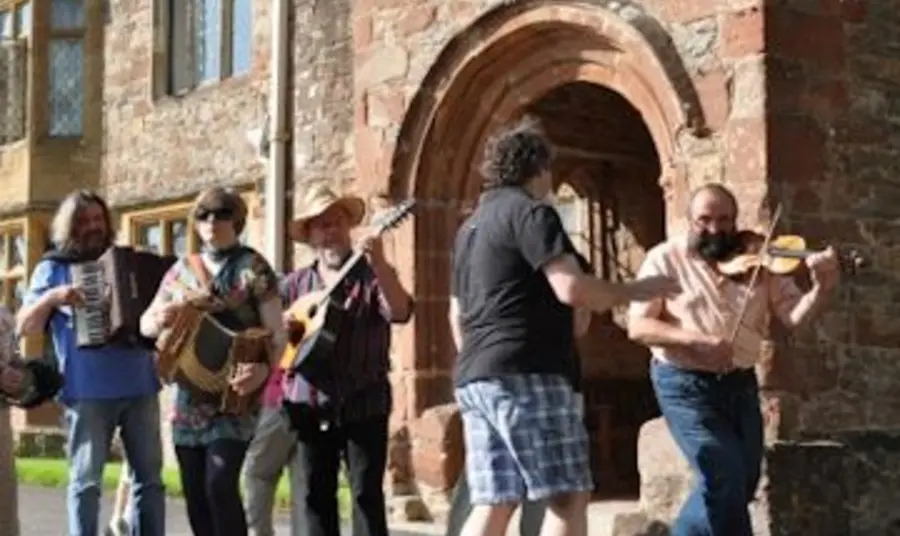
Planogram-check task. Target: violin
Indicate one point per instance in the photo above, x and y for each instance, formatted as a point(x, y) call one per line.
point(776, 254)
point(783, 255)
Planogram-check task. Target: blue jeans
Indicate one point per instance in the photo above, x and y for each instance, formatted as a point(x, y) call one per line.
point(90, 426)
point(716, 422)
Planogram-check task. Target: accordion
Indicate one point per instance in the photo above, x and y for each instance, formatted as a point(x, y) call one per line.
point(118, 288)
point(200, 354)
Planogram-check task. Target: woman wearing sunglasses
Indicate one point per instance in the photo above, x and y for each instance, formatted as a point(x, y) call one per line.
point(210, 446)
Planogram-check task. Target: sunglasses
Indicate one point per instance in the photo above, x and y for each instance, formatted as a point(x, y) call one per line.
point(219, 214)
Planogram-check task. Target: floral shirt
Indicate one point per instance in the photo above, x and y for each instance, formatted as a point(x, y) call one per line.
point(244, 282)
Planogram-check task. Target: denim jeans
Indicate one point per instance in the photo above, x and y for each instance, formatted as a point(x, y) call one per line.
point(90, 426)
point(716, 422)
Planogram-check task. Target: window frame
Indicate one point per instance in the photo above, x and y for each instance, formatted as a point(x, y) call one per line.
point(133, 220)
point(76, 34)
point(10, 275)
point(12, 7)
point(165, 83)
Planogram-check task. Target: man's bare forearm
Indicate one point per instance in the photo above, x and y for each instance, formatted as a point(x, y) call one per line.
point(655, 332)
point(456, 332)
point(598, 295)
point(808, 307)
point(32, 320)
point(398, 300)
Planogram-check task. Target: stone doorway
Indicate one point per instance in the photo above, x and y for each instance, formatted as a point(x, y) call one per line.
point(613, 207)
point(614, 97)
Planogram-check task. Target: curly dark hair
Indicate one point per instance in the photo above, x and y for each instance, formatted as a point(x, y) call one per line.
point(516, 155)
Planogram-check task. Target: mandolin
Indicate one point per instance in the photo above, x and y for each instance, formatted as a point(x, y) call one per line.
point(321, 317)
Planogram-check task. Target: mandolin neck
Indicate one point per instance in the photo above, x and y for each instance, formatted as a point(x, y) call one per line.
point(345, 269)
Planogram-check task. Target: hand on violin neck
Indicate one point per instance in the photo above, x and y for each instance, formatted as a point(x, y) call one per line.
point(824, 268)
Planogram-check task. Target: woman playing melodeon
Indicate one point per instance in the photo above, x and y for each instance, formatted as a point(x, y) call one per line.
point(210, 445)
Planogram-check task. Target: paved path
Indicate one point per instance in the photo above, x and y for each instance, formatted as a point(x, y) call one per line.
point(42, 512)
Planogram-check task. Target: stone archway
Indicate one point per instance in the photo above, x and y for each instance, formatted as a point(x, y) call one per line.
point(488, 75)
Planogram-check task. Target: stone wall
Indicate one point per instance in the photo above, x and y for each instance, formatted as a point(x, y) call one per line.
point(159, 147)
point(831, 98)
point(828, 97)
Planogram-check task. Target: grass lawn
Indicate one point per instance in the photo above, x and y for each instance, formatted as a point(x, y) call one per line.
point(54, 473)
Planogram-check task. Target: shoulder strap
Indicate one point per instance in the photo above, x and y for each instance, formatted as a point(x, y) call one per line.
point(195, 264)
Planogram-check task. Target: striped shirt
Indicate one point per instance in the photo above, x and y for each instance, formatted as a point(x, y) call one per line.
point(362, 353)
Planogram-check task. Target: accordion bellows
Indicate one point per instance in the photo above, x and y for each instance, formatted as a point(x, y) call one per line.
point(201, 354)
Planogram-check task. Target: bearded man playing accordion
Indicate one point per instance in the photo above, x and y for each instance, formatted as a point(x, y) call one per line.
point(106, 386)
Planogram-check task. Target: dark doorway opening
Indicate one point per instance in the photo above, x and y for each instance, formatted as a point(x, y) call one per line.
point(609, 195)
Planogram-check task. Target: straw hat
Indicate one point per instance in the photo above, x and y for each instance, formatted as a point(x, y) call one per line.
point(319, 199)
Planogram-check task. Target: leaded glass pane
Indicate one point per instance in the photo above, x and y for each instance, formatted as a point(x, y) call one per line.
point(66, 87)
point(23, 19)
point(150, 238)
point(242, 36)
point(17, 255)
point(6, 25)
point(208, 39)
point(179, 238)
point(67, 14)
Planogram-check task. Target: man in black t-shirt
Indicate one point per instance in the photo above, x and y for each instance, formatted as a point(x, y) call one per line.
point(532, 513)
point(515, 282)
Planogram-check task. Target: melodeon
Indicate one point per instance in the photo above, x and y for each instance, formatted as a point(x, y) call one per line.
point(201, 354)
point(118, 287)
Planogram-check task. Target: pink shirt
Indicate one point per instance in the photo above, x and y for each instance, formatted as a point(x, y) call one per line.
point(273, 393)
point(711, 303)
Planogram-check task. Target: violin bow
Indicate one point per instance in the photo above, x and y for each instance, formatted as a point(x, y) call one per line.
point(756, 271)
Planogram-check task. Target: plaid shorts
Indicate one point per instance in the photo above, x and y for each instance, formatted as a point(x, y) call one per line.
point(525, 438)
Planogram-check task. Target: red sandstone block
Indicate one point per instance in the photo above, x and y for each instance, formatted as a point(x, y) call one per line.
point(438, 452)
point(712, 88)
point(813, 39)
point(743, 33)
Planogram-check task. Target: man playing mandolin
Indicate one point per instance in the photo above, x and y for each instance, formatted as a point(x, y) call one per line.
point(705, 343)
point(349, 413)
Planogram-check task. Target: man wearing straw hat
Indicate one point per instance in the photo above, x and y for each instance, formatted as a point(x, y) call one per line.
point(352, 417)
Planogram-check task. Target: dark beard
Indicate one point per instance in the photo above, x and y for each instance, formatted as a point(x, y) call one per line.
point(86, 252)
point(716, 247)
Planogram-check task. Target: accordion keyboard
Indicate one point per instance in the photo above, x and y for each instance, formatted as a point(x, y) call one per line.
point(91, 319)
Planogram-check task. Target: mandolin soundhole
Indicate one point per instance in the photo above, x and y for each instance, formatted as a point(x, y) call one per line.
point(312, 311)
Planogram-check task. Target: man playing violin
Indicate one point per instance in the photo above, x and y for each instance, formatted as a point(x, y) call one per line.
point(705, 343)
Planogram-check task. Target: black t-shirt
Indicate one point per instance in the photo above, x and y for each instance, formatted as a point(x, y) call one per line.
point(511, 320)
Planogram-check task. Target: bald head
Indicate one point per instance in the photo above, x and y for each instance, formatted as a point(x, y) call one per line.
point(712, 213)
point(712, 207)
